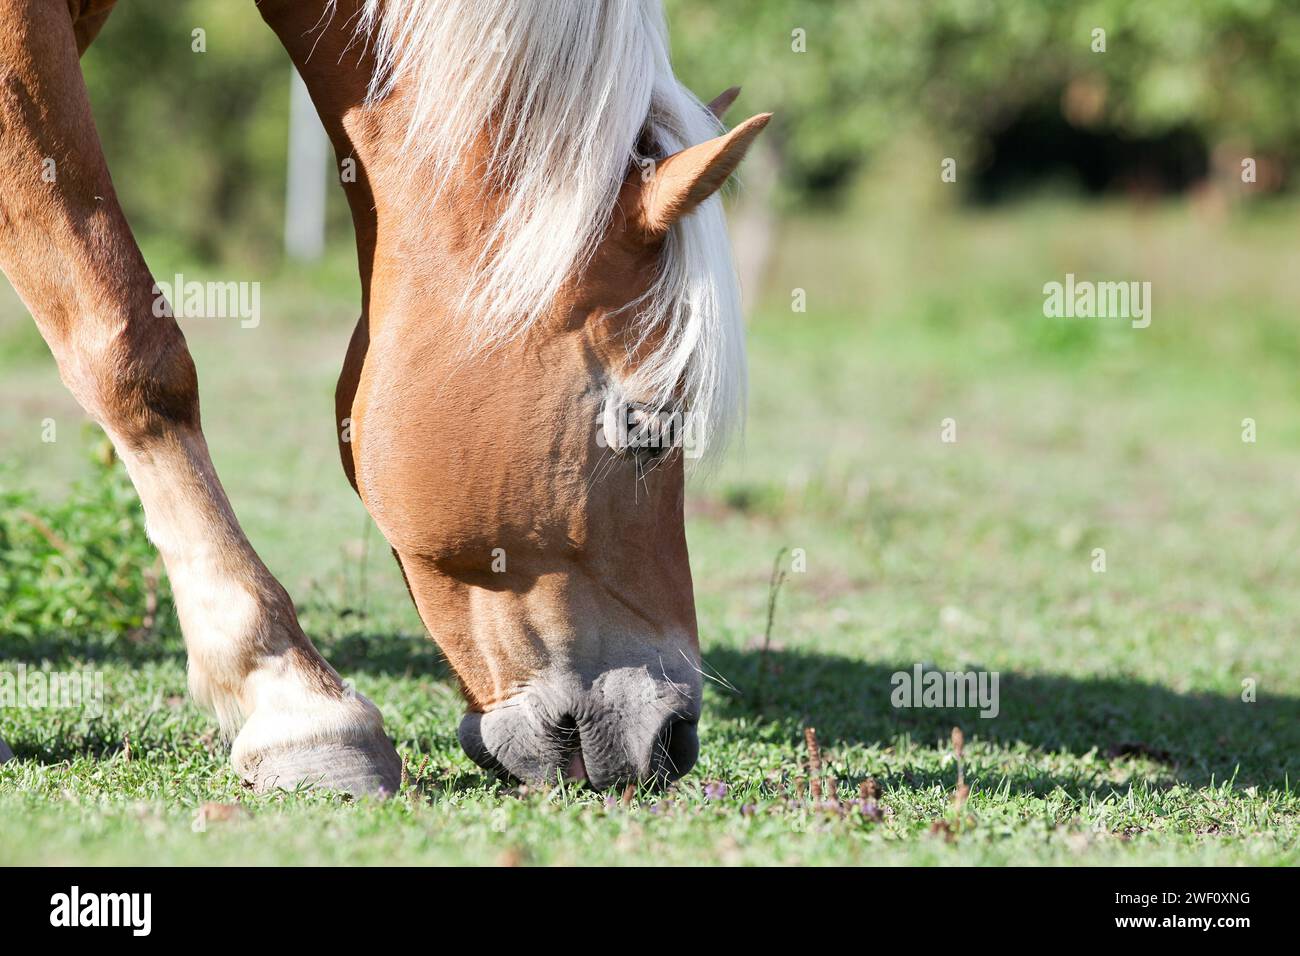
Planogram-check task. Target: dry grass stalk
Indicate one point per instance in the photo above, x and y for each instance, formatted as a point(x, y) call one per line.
point(773, 589)
point(814, 762)
point(52, 538)
point(959, 749)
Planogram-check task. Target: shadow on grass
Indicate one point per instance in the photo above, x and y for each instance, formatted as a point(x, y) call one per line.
point(1196, 738)
point(386, 654)
point(159, 714)
point(357, 647)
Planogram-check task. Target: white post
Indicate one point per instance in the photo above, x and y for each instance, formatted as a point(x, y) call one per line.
point(304, 204)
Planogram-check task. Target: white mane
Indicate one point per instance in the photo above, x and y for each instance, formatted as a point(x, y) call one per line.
point(576, 84)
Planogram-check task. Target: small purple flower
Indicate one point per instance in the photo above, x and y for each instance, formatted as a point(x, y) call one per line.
point(870, 810)
point(748, 810)
point(715, 790)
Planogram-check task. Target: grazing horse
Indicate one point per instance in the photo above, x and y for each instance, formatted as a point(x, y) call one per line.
point(549, 326)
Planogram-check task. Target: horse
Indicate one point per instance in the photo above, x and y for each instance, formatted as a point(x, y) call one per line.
point(546, 280)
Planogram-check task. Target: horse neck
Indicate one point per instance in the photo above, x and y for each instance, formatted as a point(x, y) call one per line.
point(429, 236)
point(413, 239)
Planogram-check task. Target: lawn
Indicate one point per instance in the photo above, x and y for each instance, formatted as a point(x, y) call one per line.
point(1148, 712)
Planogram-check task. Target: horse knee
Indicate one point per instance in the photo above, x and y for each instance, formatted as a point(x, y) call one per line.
point(136, 379)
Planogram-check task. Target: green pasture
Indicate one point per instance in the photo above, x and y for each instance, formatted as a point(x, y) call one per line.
point(1148, 712)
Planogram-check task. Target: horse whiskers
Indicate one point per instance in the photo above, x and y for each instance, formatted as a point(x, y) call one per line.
point(720, 680)
point(603, 466)
point(667, 760)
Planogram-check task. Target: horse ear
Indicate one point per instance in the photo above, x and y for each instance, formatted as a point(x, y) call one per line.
point(684, 180)
point(722, 102)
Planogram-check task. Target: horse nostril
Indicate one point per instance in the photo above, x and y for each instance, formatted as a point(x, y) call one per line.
point(577, 768)
point(676, 749)
point(522, 742)
point(566, 735)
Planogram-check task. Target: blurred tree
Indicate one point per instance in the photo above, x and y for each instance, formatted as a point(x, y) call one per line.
point(810, 63)
point(847, 77)
point(197, 140)
point(871, 68)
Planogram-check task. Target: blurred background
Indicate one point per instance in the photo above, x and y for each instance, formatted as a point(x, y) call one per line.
point(1012, 89)
point(885, 301)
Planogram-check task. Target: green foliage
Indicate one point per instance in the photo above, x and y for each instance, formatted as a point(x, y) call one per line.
point(82, 569)
point(196, 140)
point(874, 69)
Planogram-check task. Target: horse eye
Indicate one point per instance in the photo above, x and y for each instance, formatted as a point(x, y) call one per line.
point(639, 430)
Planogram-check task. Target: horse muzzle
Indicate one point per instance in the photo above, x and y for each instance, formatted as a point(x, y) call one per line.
point(628, 725)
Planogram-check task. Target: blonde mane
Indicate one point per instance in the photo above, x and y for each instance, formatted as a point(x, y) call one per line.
point(576, 85)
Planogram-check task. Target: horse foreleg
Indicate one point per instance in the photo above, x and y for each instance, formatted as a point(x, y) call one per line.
point(66, 247)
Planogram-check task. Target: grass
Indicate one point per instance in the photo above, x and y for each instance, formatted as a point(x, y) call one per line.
point(1122, 737)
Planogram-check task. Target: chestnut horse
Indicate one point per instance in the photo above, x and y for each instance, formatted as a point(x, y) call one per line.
point(547, 288)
